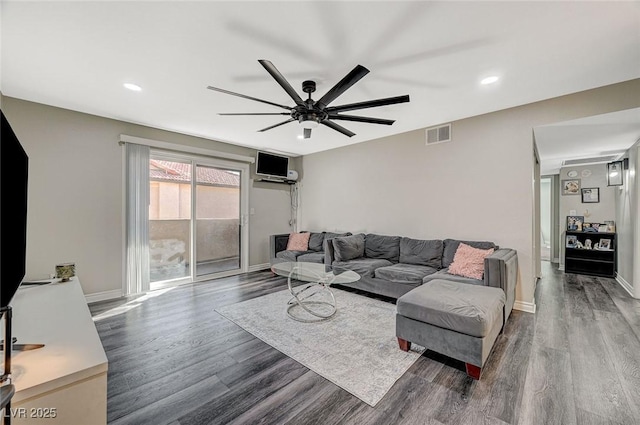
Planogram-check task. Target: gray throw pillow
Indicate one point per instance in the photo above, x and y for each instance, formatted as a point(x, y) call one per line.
point(315, 241)
point(381, 246)
point(348, 247)
point(451, 246)
point(421, 252)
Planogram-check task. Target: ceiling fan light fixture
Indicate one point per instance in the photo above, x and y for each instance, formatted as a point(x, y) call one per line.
point(310, 124)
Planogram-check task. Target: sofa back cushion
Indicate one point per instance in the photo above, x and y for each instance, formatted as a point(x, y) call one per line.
point(332, 235)
point(451, 246)
point(348, 247)
point(380, 246)
point(316, 240)
point(298, 241)
point(421, 252)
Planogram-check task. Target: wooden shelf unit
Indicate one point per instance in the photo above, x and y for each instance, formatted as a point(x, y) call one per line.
point(593, 262)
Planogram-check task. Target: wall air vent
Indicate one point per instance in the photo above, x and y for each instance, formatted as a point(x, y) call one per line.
point(439, 134)
point(590, 160)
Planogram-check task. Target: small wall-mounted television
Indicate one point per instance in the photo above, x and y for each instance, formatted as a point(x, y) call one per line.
point(271, 165)
point(14, 170)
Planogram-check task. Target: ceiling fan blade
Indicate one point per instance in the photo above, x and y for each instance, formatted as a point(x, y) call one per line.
point(248, 97)
point(338, 128)
point(307, 133)
point(350, 79)
point(368, 104)
point(277, 125)
point(255, 113)
point(271, 69)
point(361, 119)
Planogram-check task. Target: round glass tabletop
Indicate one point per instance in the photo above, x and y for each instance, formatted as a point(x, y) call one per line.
point(314, 272)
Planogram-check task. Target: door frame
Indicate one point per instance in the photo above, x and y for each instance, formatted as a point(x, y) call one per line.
point(210, 161)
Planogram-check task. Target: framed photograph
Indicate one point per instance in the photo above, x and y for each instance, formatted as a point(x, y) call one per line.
point(590, 195)
point(605, 244)
point(572, 241)
point(614, 173)
point(603, 228)
point(611, 226)
point(574, 223)
point(571, 187)
point(590, 227)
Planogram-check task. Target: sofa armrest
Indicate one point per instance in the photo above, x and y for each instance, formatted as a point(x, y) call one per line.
point(501, 271)
point(329, 252)
point(277, 243)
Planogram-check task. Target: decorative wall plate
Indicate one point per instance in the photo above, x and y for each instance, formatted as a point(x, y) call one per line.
point(572, 173)
point(586, 173)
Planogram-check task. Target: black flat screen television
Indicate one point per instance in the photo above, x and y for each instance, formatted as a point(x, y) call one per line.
point(14, 171)
point(272, 165)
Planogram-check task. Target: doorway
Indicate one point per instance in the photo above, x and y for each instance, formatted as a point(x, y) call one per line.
point(197, 227)
point(545, 218)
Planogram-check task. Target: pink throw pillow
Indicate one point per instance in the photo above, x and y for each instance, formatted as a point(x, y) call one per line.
point(298, 241)
point(469, 261)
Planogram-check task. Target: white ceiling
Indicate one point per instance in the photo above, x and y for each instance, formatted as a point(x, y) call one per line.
point(77, 55)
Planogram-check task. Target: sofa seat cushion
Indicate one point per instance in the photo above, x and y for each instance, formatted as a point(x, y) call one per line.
point(365, 267)
point(468, 309)
point(411, 274)
point(312, 257)
point(444, 274)
point(290, 255)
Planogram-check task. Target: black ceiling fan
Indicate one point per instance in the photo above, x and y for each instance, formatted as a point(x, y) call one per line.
point(311, 112)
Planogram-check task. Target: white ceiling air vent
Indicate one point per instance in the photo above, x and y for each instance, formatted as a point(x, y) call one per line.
point(591, 160)
point(439, 134)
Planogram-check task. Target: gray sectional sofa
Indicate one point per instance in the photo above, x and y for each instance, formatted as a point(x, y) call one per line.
point(391, 266)
point(457, 316)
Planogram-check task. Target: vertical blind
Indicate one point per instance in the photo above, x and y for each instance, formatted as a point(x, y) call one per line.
point(137, 218)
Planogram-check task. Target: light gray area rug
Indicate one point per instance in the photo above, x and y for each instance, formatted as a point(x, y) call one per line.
point(356, 349)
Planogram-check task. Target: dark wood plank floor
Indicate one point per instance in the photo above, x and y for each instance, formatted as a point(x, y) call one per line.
point(174, 360)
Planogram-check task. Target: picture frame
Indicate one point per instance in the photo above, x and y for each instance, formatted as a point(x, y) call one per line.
point(571, 241)
point(603, 228)
point(571, 187)
point(614, 173)
point(590, 195)
point(605, 244)
point(611, 226)
point(574, 223)
point(590, 227)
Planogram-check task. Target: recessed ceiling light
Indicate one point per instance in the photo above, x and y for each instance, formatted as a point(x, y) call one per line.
point(133, 87)
point(300, 136)
point(489, 80)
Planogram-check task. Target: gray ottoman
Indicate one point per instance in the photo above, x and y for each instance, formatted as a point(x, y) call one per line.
point(459, 320)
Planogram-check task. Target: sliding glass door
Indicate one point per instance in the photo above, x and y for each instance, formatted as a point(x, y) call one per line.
point(217, 225)
point(196, 228)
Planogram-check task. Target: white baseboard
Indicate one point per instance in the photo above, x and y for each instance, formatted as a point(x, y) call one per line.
point(561, 267)
point(103, 296)
point(525, 306)
point(625, 285)
point(259, 267)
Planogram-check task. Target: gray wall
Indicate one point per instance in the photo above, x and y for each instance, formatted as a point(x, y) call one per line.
point(76, 192)
point(627, 198)
point(479, 186)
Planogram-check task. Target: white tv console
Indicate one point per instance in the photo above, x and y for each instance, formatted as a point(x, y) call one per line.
point(64, 382)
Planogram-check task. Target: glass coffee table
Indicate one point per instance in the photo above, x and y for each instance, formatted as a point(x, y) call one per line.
point(315, 298)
